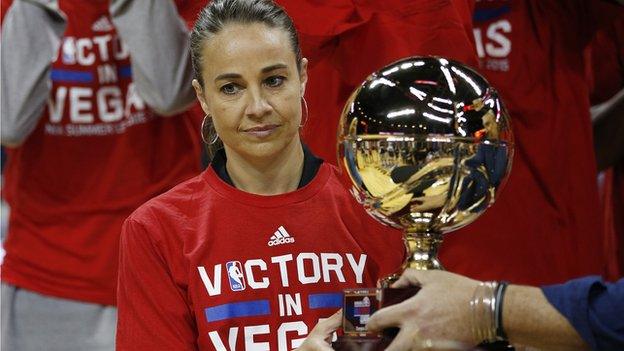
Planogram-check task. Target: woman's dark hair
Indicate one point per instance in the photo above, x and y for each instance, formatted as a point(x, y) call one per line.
point(211, 21)
point(219, 13)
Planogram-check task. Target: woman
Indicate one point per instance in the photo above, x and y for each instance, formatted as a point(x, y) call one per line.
point(254, 251)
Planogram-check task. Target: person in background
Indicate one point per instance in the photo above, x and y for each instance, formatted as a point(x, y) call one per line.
point(254, 251)
point(545, 226)
point(93, 118)
point(605, 73)
point(346, 41)
point(531, 51)
point(581, 314)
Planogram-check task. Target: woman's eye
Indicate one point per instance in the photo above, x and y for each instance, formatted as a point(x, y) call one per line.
point(230, 89)
point(274, 81)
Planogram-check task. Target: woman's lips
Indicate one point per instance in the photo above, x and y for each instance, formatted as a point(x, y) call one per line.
point(261, 131)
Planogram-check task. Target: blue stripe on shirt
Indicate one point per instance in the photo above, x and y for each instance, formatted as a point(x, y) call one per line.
point(125, 71)
point(330, 300)
point(482, 15)
point(238, 309)
point(64, 75)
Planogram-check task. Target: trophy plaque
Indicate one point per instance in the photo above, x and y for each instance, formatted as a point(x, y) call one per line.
point(426, 144)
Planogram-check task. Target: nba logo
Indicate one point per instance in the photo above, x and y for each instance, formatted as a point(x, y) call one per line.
point(235, 274)
point(68, 51)
point(362, 308)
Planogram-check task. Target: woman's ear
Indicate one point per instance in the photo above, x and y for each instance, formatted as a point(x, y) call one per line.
point(199, 92)
point(303, 75)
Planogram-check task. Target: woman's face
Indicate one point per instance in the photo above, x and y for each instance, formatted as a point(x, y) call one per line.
point(252, 89)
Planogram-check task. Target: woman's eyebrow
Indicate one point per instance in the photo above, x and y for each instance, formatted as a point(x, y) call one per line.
point(264, 70)
point(227, 76)
point(273, 67)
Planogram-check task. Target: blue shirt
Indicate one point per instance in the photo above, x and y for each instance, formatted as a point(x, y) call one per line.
point(594, 308)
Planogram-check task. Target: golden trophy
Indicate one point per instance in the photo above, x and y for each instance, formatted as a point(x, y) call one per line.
point(426, 144)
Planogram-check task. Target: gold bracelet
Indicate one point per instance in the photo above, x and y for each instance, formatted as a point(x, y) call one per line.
point(483, 308)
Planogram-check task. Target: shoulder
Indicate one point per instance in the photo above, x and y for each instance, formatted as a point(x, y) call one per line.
point(338, 188)
point(161, 227)
point(336, 182)
point(176, 204)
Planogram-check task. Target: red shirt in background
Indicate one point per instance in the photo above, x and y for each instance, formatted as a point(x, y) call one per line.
point(97, 153)
point(605, 73)
point(347, 40)
point(545, 227)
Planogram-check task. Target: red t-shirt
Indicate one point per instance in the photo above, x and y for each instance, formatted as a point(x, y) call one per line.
point(347, 40)
point(97, 153)
point(207, 266)
point(545, 227)
point(605, 70)
point(465, 9)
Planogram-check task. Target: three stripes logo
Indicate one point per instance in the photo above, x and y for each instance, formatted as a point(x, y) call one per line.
point(280, 236)
point(103, 24)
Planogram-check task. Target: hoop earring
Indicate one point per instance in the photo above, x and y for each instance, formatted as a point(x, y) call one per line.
point(206, 129)
point(305, 106)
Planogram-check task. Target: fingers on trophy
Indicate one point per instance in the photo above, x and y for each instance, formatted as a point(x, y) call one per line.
point(427, 145)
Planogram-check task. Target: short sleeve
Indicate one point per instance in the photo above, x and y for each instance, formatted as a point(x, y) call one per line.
point(153, 313)
point(594, 308)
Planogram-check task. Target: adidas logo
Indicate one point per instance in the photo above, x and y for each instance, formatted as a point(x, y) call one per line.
point(280, 236)
point(103, 24)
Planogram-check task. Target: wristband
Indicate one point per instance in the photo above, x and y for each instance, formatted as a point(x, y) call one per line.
point(498, 316)
point(483, 308)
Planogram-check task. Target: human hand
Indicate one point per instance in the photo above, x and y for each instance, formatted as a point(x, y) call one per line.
point(439, 311)
point(320, 337)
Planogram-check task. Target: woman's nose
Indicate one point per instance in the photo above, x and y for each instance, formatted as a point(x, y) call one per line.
point(257, 105)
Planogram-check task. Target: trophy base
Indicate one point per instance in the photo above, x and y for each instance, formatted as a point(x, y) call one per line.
point(496, 346)
point(359, 305)
point(365, 343)
point(378, 343)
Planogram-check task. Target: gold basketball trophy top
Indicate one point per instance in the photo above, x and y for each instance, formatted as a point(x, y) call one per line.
point(427, 145)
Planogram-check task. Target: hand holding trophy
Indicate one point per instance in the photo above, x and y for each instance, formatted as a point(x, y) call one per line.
point(427, 145)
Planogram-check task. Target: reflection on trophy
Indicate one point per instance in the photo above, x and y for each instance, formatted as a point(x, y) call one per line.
point(427, 145)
